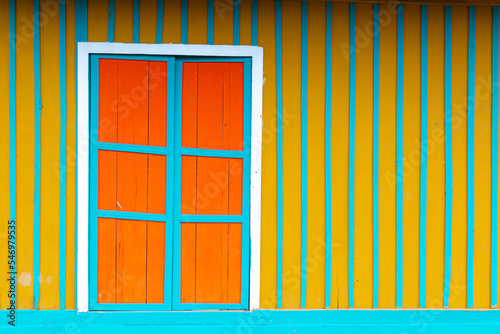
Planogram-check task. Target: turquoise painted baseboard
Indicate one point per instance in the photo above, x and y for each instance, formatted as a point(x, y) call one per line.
point(262, 321)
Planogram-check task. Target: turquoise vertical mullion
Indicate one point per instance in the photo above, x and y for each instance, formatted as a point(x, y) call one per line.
point(93, 178)
point(328, 156)
point(176, 222)
point(303, 186)
point(111, 21)
point(184, 21)
point(159, 21)
point(470, 155)
point(210, 22)
point(352, 119)
point(255, 22)
point(247, 133)
point(38, 107)
point(376, 92)
point(12, 126)
point(63, 175)
point(135, 21)
point(236, 22)
point(279, 161)
point(423, 156)
point(169, 224)
point(399, 158)
point(448, 155)
point(494, 161)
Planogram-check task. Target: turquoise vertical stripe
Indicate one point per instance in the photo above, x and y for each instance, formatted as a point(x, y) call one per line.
point(303, 187)
point(38, 107)
point(80, 36)
point(63, 162)
point(328, 156)
point(184, 22)
point(255, 22)
point(399, 159)
point(494, 162)
point(352, 119)
point(423, 154)
point(448, 155)
point(210, 22)
point(376, 92)
point(279, 161)
point(135, 21)
point(236, 22)
point(111, 21)
point(470, 155)
point(159, 21)
point(12, 120)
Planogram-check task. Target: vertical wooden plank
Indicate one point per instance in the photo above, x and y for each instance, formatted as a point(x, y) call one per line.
point(233, 107)
point(157, 107)
point(352, 143)
point(190, 105)
point(123, 23)
point(234, 264)
point(291, 158)
point(208, 262)
point(106, 260)
point(172, 21)
point(223, 21)
point(436, 176)
point(188, 262)
point(224, 265)
point(37, 112)
point(111, 21)
point(131, 261)
point(411, 157)
point(8, 128)
point(159, 21)
point(316, 155)
point(387, 146)
point(25, 159)
point(132, 102)
point(210, 105)
point(236, 22)
point(210, 22)
point(363, 179)
point(197, 22)
point(135, 20)
point(108, 113)
point(71, 156)
point(50, 127)
point(340, 149)
point(98, 12)
point(147, 25)
point(155, 238)
point(246, 21)
point(268, 288)
point(458, 298)
point(482, 150)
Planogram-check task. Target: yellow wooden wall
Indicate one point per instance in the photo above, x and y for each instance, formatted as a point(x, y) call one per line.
point(291, 67)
